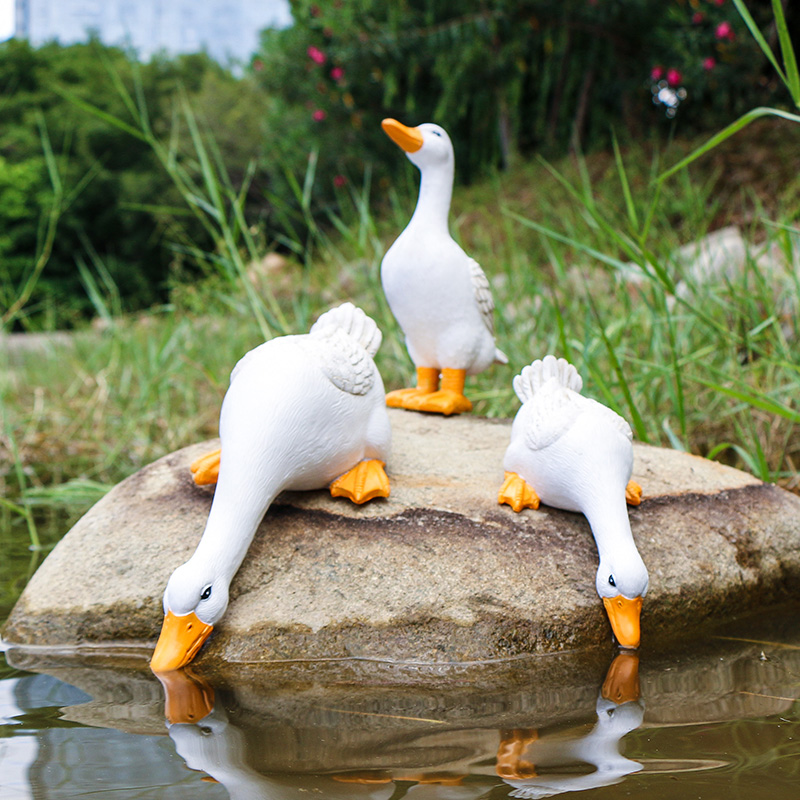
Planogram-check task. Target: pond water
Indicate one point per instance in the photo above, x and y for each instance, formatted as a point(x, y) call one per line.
point(718, 720)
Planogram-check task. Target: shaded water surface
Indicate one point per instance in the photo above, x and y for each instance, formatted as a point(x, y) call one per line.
point(718, 721)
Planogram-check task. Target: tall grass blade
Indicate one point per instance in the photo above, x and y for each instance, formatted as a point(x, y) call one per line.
point(759, 37)
point(751, 398)
point(787, 51)
point(45, 245)
point(23, 510)
point(626, 189)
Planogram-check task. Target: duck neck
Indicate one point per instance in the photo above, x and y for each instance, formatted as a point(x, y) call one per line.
point(230, 529)
point(435, 194)
point(611, 528)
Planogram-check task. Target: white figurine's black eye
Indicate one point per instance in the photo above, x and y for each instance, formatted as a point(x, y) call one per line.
point(611, 580)
point(206, 593)
point(436, 133)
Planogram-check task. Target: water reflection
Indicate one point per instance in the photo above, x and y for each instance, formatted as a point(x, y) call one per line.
point(542, 728)
point(532, 765)
point(552, 763)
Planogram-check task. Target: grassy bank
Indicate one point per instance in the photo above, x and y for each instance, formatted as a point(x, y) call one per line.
point(581, 259)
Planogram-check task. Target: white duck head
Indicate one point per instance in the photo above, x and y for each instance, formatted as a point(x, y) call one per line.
point(621, 582)
point(195, 599)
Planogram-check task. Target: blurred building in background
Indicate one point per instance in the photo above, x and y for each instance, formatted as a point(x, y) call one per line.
point(226, 29)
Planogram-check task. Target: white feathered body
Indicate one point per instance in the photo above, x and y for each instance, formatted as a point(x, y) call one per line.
point(574, 451)
point(300, 411)
point(441, 300)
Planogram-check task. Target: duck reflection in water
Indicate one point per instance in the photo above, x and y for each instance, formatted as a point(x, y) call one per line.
point(208, 742)
point(534, 764)
point(542, 767)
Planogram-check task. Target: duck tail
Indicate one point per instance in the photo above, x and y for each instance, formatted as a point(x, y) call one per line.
point(354, 322)
point(533, 377)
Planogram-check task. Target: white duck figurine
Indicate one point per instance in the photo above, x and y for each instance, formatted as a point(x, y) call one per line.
point(574, 453)
point(438, 294)
point(302, 412)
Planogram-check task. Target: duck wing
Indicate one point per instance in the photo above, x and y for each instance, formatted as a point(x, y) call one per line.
point(550, 415)
point(483, 294)
point(346, 364)
point(607, 417)
point(553, 412)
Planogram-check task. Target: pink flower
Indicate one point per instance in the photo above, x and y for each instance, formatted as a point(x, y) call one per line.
point(725, 31)
point(318, 115)
point(258, 64)
point(339, 181)
point(316, 55)
point(656, 73)
point(337, 73)
point(674, 77)
point(709, 64)
point(698, 17)
point(719, 2)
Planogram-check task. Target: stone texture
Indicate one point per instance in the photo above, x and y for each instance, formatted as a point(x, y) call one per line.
point(437, 573)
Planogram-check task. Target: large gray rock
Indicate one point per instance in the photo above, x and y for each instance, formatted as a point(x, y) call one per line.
point(438, 573)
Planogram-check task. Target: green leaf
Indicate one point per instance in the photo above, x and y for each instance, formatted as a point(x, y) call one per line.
point(725, 134)
point(787, 51)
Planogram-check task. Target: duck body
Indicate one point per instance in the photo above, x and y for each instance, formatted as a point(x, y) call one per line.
point(574, 453)
point(428, 282)
point(300, 413)
point(439, 295)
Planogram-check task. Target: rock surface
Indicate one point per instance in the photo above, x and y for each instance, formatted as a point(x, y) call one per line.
point(437, 573)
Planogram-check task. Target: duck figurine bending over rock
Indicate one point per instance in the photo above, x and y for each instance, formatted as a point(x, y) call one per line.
point(302, 412)
point(438, 294)
point(574, 453)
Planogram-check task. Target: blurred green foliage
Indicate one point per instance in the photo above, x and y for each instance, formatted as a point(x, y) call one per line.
point(507, 77)
point(119, 207)
point(301, 128)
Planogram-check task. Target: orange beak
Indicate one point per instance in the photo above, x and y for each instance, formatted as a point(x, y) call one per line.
point(410, 139)
point(187, 698)
point(180, 639)
point(622, 679)
point(623, 614)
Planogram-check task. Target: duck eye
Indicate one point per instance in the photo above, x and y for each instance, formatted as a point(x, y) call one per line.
point(612, 581)
point(436, 133)
point(206, 593)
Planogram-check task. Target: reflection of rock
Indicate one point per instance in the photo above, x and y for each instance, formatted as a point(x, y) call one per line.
point(437, 573)
point(290, 722)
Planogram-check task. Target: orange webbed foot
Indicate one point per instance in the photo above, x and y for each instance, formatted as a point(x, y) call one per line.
point(366, 480)
point(404, 398)
point(633, 493)
point(516, 493)
point(205, 470)
point(510, 763)
point(445, 401)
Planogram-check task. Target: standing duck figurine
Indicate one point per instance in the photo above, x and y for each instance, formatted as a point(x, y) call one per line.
point(302, 412)
point(438, 294)
point(574, 453)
